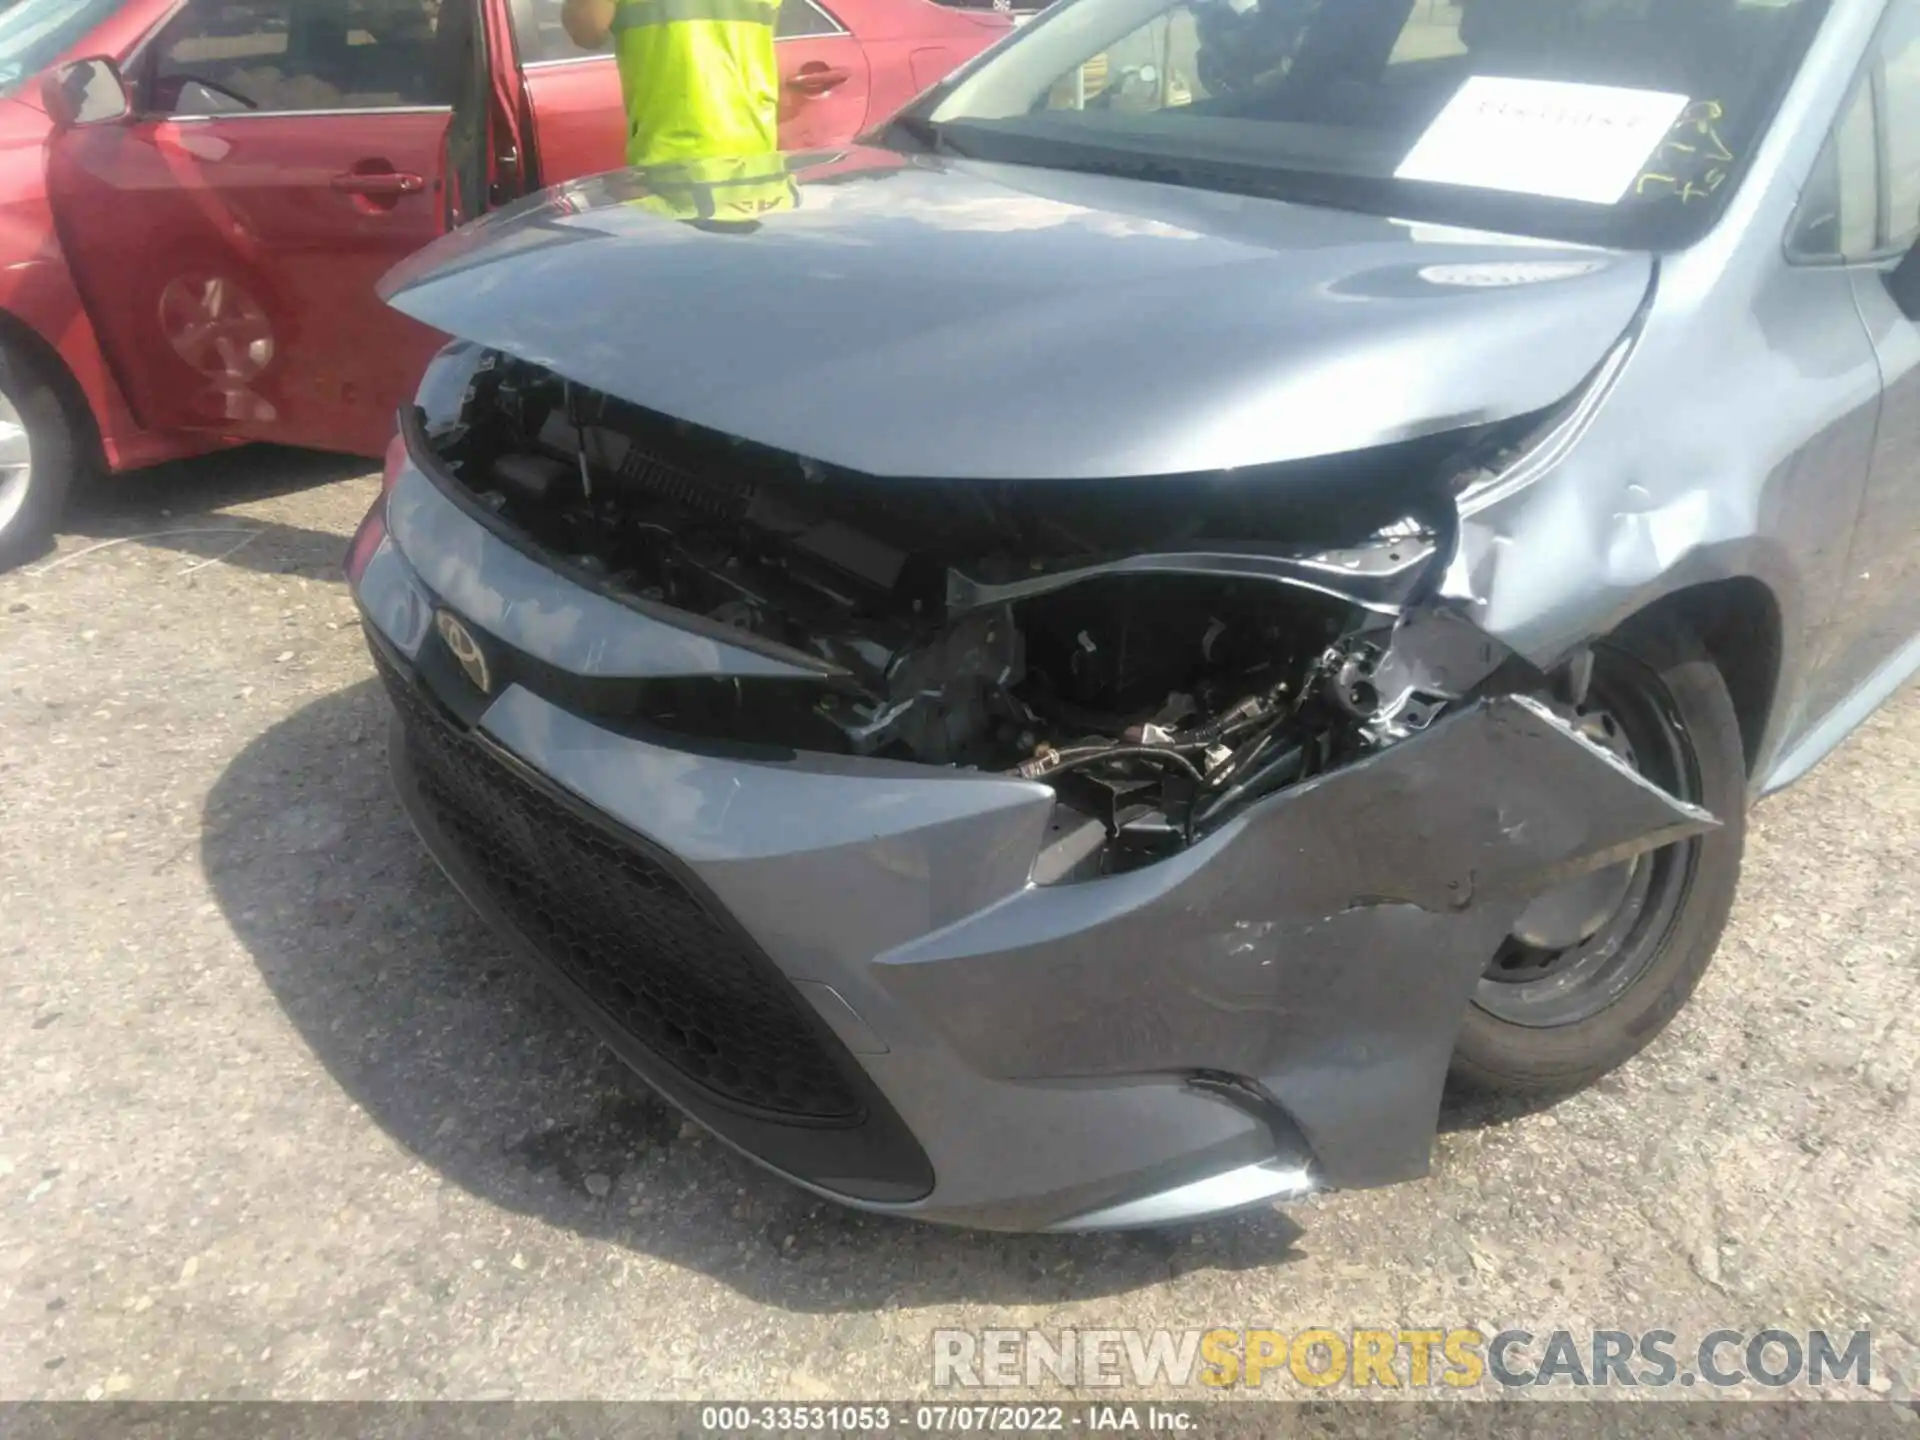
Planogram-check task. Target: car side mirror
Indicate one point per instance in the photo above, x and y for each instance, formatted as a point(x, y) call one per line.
point(87, 92)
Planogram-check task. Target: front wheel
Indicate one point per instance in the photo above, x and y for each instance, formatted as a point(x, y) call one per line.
point(38, 453)
point(1594, 969)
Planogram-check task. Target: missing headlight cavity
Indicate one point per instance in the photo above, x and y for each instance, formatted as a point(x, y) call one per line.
point(1162, 653)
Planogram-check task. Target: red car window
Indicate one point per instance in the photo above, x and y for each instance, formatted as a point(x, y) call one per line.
point(537, 28)
point(800, 18)
point(277, 55)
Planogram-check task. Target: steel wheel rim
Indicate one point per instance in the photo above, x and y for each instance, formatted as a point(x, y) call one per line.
point(1551, 990)
point(16, 462)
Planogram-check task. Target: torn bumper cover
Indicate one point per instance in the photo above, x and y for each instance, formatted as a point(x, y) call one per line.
point(854, 974)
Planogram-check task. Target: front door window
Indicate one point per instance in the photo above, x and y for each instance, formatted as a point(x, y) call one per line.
point(270, 56)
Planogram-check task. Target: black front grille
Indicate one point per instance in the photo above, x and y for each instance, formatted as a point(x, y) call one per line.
point(645, 949)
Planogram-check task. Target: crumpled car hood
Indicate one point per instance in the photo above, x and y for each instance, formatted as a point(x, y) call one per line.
point(952, 319)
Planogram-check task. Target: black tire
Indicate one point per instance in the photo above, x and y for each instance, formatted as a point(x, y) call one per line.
point(1672, 670)
point(27, 519)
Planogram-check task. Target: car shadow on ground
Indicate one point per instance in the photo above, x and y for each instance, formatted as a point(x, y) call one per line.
point(1470, 1110)
point(436, 1032)
point(177, 506)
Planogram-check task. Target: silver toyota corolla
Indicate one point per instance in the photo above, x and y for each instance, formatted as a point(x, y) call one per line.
point(1066, 669)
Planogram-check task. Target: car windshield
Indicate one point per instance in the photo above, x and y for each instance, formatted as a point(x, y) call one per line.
point(35, 33)
point(1615, 122)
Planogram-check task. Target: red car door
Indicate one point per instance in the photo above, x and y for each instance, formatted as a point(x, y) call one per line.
point(823, 78)
point(574, 94)
point(227, 239)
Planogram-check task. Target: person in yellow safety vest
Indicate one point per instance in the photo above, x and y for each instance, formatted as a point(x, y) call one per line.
point(730, 194)
point(699, 77)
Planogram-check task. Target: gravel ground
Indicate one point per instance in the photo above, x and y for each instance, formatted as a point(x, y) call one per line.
point(282, 1120)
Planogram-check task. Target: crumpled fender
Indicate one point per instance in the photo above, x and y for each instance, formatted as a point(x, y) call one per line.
point(1324, 945)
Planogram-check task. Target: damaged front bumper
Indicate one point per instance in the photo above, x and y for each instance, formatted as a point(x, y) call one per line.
point(868, 984)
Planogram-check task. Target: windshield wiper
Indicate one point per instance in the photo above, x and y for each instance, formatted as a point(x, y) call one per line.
point(927, 135)
point(1193, 173)
point(1086, 155)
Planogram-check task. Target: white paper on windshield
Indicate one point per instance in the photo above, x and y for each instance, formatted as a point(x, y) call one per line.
point(1426, 234)
point(1543, 137)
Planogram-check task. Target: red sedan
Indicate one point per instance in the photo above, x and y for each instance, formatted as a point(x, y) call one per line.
point(194, 215)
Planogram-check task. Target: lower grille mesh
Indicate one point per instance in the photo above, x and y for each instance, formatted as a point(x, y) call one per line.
point(623, 928)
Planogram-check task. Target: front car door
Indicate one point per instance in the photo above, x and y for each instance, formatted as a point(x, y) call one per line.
point(1876, 624)
point(823, 78)
point(574, 94)
point(1886, 569)
point(228, 238)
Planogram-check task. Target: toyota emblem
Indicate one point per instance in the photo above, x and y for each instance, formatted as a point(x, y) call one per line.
point(466, 649)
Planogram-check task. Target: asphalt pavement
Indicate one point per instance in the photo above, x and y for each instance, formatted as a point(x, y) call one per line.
point(282, 1119)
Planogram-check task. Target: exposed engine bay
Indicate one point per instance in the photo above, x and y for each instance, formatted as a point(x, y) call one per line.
point(1162, 654)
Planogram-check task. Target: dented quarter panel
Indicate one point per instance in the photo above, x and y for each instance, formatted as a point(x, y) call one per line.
point(1734, 442)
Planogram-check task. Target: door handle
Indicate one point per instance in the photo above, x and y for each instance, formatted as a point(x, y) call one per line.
point(814, 78)
point(383, 184)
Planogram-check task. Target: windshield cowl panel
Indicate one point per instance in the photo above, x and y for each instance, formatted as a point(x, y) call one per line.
point(1621, 123)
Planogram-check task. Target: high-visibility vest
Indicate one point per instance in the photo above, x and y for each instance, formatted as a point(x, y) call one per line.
point(725, 193)
point(699, 77)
